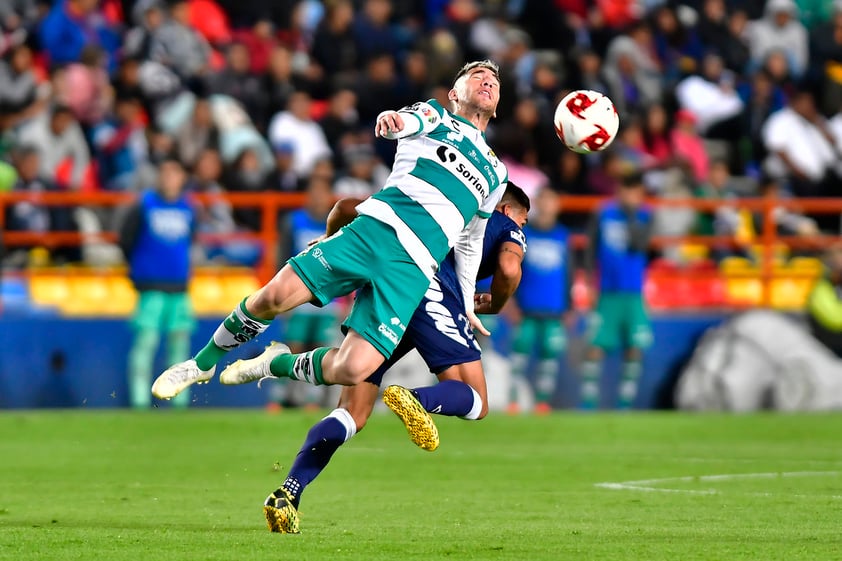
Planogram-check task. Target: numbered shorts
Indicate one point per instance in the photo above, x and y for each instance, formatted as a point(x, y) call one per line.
point(310, 328)
point(366, 256)
point(620, 321)
point(544, 334)
point(439, 330)
point(163, 311)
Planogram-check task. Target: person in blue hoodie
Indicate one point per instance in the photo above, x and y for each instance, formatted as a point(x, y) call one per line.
point(618, 235)
point(155, 236)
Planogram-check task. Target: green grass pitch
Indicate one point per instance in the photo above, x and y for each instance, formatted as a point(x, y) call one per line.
point(167, 485)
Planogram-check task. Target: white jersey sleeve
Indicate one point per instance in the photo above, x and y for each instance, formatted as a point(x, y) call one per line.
point(418, 118)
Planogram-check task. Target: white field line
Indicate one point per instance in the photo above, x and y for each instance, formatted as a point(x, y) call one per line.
point(654, 485)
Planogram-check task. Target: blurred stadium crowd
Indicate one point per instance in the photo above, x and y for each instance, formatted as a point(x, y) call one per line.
point(718, 99)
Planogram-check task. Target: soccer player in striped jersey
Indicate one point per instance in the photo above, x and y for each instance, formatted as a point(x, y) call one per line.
point(445, 183)
point(439, 331)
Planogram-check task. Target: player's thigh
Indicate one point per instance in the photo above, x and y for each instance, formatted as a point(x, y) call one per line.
point(552, 338)
point(355, 360)
point(178, 313)
point(149, 311)
point(638, 329)
point(359, 401)
point(404, 347)
point(606, 322)
point(335, 266)
point(383, 308)
point(525, 335)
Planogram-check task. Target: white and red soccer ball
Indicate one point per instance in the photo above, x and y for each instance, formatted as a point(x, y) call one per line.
point(586, 121)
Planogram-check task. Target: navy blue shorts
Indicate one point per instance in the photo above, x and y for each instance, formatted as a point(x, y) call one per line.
point(439, 330)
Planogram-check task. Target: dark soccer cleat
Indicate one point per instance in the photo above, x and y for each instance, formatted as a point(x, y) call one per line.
point(422, 429)
point(281, 514)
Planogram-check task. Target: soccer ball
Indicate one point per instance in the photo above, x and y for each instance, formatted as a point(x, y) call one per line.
point(586, 121)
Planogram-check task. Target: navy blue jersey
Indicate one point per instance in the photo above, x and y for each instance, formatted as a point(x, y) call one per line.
point(439, 328)
point(499, 229)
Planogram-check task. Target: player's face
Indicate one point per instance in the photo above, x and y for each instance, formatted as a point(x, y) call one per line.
point(478, 89)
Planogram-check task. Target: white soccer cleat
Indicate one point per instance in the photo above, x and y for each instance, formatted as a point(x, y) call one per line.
point(253, 369)
point(179, 377)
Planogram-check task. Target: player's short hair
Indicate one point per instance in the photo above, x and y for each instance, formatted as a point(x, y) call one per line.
point(516, 196)
point(487, 63)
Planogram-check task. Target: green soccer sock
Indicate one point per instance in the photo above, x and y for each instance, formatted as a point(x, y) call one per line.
point(545, 380)
point(239, 327)
point(628, 383)
point(590, 384)
point(304, 367)
point(141, 357)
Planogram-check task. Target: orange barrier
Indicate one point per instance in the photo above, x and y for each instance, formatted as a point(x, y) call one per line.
point(759, 285)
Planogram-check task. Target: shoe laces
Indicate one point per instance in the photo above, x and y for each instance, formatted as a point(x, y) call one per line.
point(270, 377)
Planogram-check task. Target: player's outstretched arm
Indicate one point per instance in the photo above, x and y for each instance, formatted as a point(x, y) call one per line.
point(505, 280)
point(468, 254)
point(417, 118)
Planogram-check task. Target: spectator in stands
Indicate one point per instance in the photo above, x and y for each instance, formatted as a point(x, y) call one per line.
point(246, 176)
point(19, 16)
point(155, 236)
point(259, 41)
point(677, 45)
point(824, 304)
point(717, 30)
point(180, 47)
point(656, 141)
point(29, 215)
point(279, 82)
point(378, 87)
point(373, 32)
point(334, 48)
point(19, 99)
point(86, 88)
point(341, 123)
point(296, 126)
point(283, 177)
point(542, 301)
point(712, 98)
point(60, 142)
point(197, 134)
point(365, 174)
point(72, 25)
point(147, 15)
point(726, 220)
point(588, 74)
point(616, 259)
point(826, 60)
point(687, 146)
point(120, 145)
point(237, 81)
point(779, 29)
point(802, 151)
point(631, 71)
point(308, 326)
point(761, 98)
point(788, 221)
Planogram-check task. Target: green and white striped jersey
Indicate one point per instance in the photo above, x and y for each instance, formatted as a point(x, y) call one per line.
point(444, 175)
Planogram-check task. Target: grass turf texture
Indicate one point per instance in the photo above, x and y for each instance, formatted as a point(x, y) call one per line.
point(189, 485)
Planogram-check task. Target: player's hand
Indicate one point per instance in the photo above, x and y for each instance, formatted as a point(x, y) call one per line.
point(482, 303)
point(314, 241)
point(476, 324)
point(388, 122)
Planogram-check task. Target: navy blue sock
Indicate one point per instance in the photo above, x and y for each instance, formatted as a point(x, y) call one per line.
point(450, 397)
point(324, 438)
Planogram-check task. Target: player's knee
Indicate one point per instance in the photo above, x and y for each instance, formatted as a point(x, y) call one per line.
point(269, 299)
point(352, 369)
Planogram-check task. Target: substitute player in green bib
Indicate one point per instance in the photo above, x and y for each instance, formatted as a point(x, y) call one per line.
point(445, 183)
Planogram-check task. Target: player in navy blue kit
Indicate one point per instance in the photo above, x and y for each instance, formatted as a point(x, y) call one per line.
point(444, 339)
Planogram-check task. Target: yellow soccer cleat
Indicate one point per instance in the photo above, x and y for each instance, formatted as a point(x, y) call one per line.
point(422, 429)
point(281, 514)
